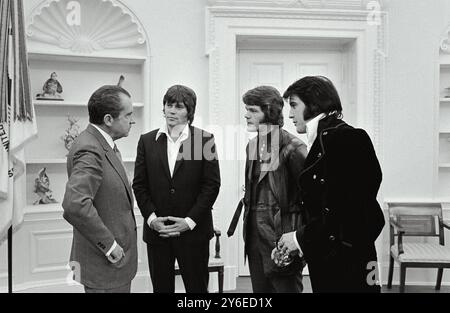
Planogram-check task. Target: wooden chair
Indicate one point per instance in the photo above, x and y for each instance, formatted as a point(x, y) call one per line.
point(215, 263)
point(419, 220)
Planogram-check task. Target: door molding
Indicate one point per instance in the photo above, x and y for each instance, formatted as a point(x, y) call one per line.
point(226, 24)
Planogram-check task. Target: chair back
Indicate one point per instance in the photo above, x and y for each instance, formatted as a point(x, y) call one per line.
point(417, 219)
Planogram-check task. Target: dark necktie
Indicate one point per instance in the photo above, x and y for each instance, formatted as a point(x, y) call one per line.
point(119, 156)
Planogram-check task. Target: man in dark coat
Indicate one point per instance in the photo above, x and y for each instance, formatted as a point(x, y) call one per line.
point(339, 186)
point(176, 183)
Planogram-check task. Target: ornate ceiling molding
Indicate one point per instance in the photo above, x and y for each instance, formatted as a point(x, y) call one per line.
point(103, 24)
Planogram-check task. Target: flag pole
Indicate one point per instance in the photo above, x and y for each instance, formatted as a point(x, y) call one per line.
point(10, 238)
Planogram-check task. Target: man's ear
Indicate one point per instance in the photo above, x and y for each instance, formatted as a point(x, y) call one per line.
point(108, 119)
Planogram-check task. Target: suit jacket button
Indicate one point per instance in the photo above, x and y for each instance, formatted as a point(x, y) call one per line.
point(172, 191)
point(327, 210)
point(322, 181)
point(332, 238)
point(319, 155)
point(314, 176)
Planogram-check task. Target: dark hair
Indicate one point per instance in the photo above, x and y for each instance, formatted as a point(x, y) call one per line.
point(182, 94)
point(270, 101)
point(105, 100)
point(318, 94)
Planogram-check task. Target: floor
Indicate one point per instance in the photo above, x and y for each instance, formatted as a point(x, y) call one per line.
point(243, 285)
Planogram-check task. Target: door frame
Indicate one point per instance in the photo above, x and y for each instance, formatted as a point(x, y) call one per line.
point(225, 25)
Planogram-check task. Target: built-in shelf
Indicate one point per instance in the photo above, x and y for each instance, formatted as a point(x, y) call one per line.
point(58, 103)
point(445, 100)
point(87, 58)
point(444, 165)
point(63, 161)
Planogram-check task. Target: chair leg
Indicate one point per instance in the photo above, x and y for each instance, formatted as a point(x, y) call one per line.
point(391, 272)
point(439, 278)
point(220, 274)
point(402, 278)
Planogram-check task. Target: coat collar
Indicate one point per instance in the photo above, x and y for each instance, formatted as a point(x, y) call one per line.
point(274, 153)
point(317, 151)
point(113, 159)
point(96, 133)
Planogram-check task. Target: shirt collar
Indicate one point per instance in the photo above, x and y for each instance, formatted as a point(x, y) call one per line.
point(164, 130)
point(107, 137)
point(311, 129)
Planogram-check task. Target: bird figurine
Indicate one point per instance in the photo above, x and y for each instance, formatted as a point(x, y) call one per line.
point(121, 80)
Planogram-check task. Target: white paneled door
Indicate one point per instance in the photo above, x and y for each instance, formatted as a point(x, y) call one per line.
point(280, 69)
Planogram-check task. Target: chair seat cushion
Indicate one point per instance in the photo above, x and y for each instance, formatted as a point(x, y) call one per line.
point(422, 252)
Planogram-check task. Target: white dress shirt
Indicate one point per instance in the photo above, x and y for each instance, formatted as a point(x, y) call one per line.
point(311, 135)
point(110, 142)
point(173, 149)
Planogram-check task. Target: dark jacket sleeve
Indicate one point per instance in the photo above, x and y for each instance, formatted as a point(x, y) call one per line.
point(353, 176)
point(86, 175)
point(210, 183)
point(141, 185)
point(364, 218)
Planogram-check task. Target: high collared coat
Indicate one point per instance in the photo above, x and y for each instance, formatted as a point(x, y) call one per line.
point(339, 186)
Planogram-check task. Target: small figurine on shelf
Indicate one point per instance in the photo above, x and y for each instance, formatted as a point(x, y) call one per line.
point(121, 80)
point(42, 188)
point(52, 89)
point(71, 133)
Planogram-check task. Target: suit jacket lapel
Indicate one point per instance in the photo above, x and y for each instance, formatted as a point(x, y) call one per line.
point(118, 166)
point(113, 159)
point(161, 145)
point(186, 150)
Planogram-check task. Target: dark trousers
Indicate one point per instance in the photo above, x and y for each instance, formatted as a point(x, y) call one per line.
point(344, 273)
point(192, 259)
point(123, 289)
point(261, 283)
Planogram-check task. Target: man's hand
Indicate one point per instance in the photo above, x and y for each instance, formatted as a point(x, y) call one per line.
point(176, 229)
point(116, 255)
point(286, 243)
point(158, 223)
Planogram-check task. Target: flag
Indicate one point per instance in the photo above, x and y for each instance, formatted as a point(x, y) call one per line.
point(17, 116)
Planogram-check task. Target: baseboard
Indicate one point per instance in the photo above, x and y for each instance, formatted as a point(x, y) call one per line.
point(141, 284)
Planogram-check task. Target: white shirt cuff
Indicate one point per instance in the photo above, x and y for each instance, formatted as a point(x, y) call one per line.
point(190, 223)
point(112, 249)
point(300, 252)
point(151, 218)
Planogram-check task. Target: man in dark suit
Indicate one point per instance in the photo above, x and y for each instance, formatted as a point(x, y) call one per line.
point(339, 186)
point(98, 201)
point(176, 183)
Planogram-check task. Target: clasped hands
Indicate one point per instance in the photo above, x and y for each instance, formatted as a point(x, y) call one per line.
point(178, 227)
point(284, 249)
